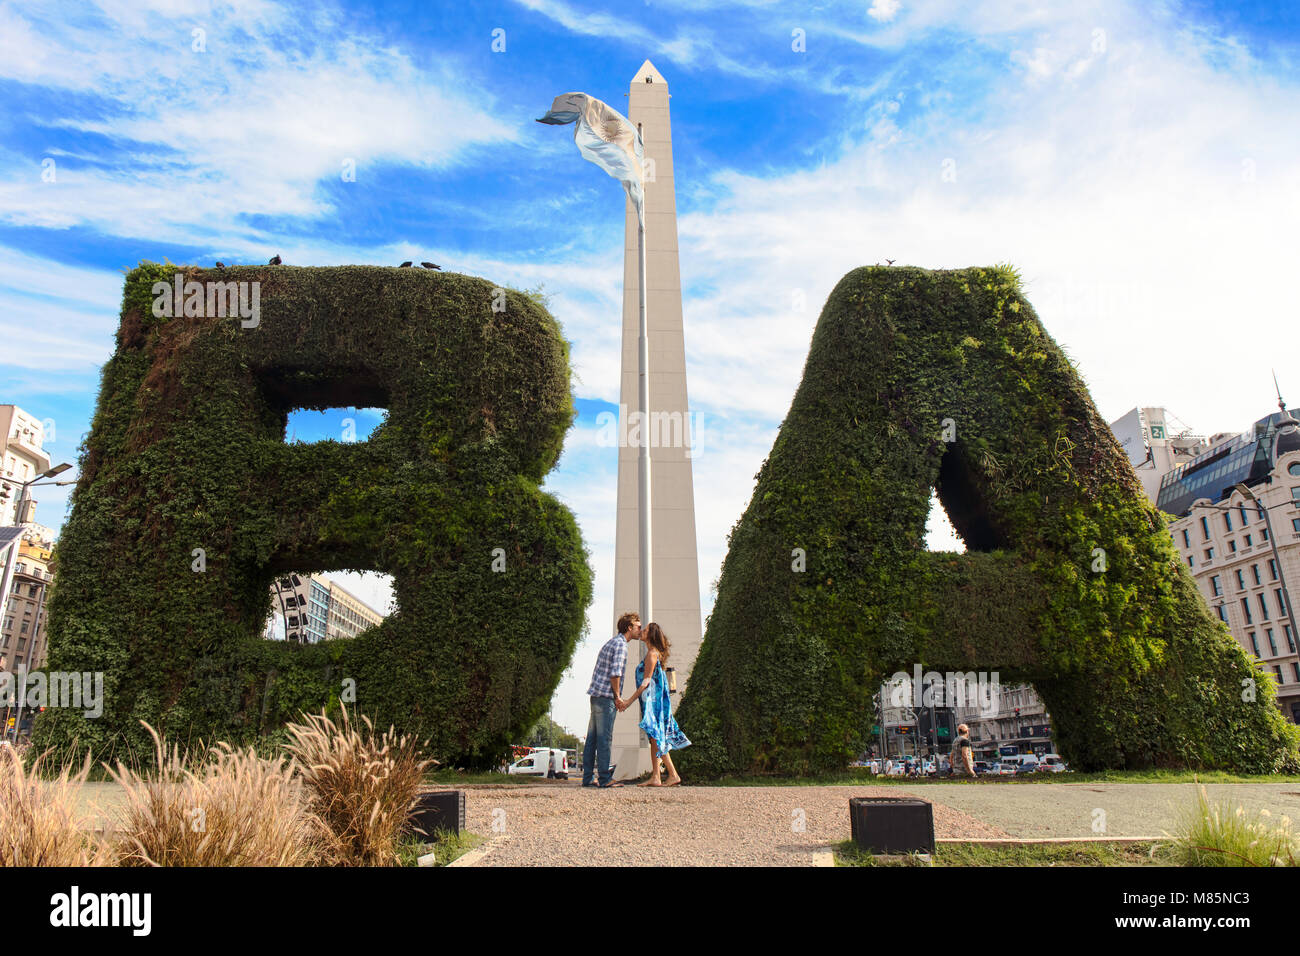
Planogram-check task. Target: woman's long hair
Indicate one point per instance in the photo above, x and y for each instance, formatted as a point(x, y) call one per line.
point(656, 638)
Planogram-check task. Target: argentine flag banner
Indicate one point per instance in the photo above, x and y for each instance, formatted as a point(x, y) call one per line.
point(607, 138)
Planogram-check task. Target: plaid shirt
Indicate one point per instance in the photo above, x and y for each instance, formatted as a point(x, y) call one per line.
point(610, 662)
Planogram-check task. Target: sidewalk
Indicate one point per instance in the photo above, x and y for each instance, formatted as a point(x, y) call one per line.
point(1069, 809)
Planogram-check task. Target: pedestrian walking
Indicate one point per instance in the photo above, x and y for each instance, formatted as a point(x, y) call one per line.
point(963, 762)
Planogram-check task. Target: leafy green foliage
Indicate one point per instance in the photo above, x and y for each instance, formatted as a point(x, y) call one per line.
point(187, 450)
point(1133, 669)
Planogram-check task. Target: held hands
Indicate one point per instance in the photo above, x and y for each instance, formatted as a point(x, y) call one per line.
point(621, 704)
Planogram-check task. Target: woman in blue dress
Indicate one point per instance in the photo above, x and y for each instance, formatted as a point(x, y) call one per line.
point(657, 709)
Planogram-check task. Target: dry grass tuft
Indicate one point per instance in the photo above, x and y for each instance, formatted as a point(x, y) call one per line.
point(40, 824)
point(227, 808)
point(1221, 834)
point(361, 786)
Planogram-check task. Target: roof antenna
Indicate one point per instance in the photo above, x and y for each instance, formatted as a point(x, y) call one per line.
point(1280, 404)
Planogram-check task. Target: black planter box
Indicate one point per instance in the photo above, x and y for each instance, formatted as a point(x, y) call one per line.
point(442, 810)
point(892, 824)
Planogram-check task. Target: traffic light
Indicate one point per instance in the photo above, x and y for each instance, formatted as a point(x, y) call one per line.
point(945, 720)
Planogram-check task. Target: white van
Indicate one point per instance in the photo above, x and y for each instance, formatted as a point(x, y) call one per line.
point(542, 762)
point(1053, 763)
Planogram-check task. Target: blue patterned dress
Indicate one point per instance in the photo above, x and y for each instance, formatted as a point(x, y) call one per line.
point(657, 712)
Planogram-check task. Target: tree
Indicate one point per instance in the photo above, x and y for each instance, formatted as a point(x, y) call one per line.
point(547, 733)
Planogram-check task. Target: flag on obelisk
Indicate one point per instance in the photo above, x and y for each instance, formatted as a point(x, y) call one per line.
point(605, 137)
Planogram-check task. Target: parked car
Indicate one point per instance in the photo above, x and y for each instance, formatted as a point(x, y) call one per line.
point(542, 762)
point(1027, 767)
point(1003, 769)
point(982, 767)
point(1052, 763)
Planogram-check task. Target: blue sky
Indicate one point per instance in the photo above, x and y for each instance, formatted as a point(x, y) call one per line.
point(1139, 162)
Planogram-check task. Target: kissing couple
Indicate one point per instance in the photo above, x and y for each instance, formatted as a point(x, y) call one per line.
point(652, 693)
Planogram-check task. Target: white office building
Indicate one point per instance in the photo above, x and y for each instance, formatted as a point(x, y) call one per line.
point(1224, 502)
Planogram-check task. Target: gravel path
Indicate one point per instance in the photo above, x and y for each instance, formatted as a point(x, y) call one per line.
point(561, 824)
point(567, 825)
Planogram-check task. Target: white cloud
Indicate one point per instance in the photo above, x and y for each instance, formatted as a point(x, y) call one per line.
point(883, 10)
point(248, 128)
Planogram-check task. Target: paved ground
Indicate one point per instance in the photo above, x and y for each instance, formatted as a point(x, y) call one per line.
point(562, 824)
point(1131, 809)
point(567, 825)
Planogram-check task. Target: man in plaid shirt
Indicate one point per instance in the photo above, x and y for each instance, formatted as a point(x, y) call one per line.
point(606, 702)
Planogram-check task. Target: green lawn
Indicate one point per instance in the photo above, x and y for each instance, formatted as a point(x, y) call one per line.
point(445, 847)
point(1020, 854)
point(445, 778)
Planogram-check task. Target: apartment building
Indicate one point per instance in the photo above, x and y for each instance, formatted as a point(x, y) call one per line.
point(310, 608)
point(22, 634)
point(21, 459)
point(1224, 503)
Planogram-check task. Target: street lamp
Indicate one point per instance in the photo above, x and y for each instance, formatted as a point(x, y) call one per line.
point(22, 493)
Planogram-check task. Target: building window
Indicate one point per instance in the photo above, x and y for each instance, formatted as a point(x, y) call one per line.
point(1272, 644)
point(1290, 641)
point(1215, 586)
point(1263, 535)
point(1209, 552)
point(1281, 603)
point(1190, 562)
point(1272, 569)
point(1245, 609)
point(1249, 542)
point(23, 629)
point(1227, 520)
point(1254, 644)
point(1244, 520)
point(1277, 672)
point(1241, 581)
point(1205, 528)
point(1295, 524)
point(1232, 546)
point(1263, 607)
point(1295, 494)
point(1254, 570)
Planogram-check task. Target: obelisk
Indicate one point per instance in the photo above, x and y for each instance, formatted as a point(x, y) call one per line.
point(676, 591)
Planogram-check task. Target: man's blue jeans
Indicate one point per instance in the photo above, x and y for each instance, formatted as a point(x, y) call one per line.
point(600, 741)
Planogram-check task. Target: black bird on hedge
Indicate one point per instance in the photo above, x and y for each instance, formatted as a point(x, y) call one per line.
point(405, 265)
point(275, 261)
point(889, 262)
point(220, 264)
point(430, 265)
